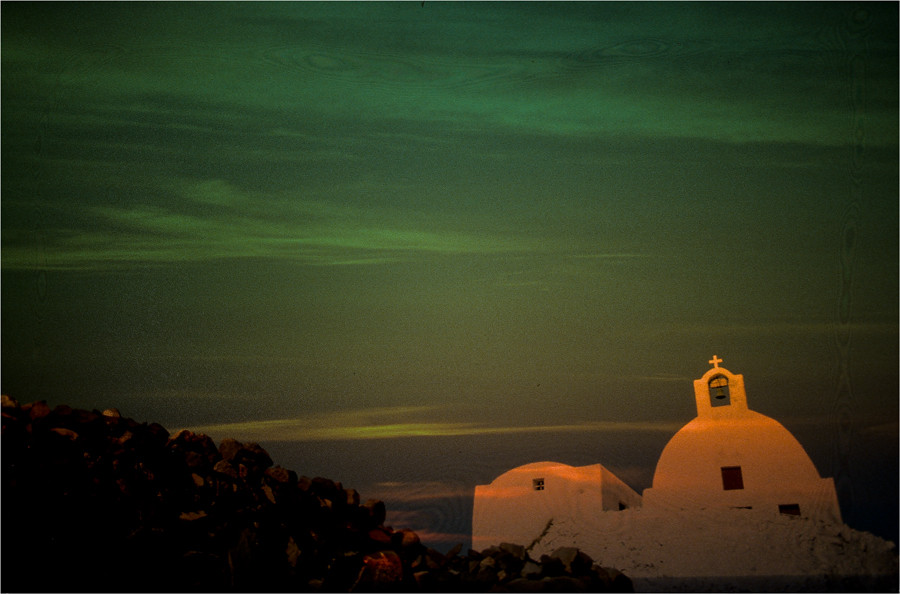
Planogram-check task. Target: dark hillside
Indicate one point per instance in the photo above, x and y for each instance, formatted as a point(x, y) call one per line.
point(98, 502)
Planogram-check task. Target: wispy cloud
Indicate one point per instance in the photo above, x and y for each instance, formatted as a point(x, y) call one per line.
point(399, 422)
point(211, 219)
point(664, 378)
point(423, 526)
point(397, 491)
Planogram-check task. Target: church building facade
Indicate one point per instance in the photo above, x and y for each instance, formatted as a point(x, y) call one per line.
point(733, 457)
point(728, 457)
point(519, 504)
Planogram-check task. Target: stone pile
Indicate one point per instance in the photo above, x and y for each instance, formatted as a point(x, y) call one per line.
point(94, 501)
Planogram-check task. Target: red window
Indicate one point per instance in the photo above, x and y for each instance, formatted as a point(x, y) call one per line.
point(732, 478)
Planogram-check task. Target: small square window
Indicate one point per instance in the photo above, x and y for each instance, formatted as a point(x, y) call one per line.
point(732, 478)
point(538, 484)
point(789, 509)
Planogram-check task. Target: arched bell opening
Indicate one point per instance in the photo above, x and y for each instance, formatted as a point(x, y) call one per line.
point(719, 394)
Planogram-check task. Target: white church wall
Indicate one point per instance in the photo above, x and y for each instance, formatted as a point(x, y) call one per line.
point(519, 504)
point(774, 472)
point(727, 458)
point(617, 495)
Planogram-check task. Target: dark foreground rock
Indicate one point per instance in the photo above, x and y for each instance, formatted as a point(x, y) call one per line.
point(94, 501)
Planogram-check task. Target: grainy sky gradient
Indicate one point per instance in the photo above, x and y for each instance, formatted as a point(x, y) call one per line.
point(454, 224)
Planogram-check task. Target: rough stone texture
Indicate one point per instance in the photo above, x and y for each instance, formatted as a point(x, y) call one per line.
point(99, 502)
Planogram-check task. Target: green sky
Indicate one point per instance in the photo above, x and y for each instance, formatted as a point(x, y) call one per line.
point(361, 220)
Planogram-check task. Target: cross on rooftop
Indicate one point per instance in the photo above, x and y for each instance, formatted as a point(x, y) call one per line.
point(715, 361)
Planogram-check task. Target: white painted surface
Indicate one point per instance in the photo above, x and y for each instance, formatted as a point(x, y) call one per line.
point(775, 468)
point(510, 509)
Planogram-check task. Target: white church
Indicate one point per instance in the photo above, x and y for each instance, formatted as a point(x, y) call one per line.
point(727, 458)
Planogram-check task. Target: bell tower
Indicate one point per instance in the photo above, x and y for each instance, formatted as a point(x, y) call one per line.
point(720, 393)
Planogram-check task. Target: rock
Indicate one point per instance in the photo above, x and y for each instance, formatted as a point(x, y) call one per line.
point(408, 538)
point(380, 536)
point(255, 457)
point(156, 435)
point(423, 580)
point(574, 561)
point(376, 510)
point(224, 467)
point(61, 410)
point(281, 475)
point(293, 552)
point(191, 516)
point(552, 566)
point(37, 410)
point(563, 583)
point(267, 491)
point(517, 551)
point(326, 488)
point(524, 585)
point(228, 448)
point(380, 570)
point(434, 560)
point(217, 518)
point(112, 413)
point(620, 581)
point(531, 569)
point(198, 451)
point(67, 433)
point(7, 402)
point(487, 575)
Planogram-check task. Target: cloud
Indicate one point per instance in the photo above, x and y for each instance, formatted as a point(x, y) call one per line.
point(780, 328)
point(662, 377)
point(891, 429)
point(422, 526)
point(211, 220)
point(400, 422)
point(397, 491)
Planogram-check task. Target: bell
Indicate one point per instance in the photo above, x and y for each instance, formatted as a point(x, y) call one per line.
point(720, 393)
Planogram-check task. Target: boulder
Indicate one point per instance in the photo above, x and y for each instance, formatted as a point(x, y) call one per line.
point(380, 537)
point(198, 451)
point(255, 457)
point(380, 570)
point(281, 475)
point(376, 511)
point(574, 561)
point(67, 433)
point(531, 569)
point(37, 410)
point(408, 538)
point(228, 448)
point(517, 551)
point(225, 468)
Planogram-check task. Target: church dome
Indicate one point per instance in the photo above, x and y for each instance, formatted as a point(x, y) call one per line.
point(730, 456)
point(767, 454)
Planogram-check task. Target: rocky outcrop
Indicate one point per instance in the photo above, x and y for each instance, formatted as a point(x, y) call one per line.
point(94, 501)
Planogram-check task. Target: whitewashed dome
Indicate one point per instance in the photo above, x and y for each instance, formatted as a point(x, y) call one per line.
point(764, 449)
point(730, 456)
